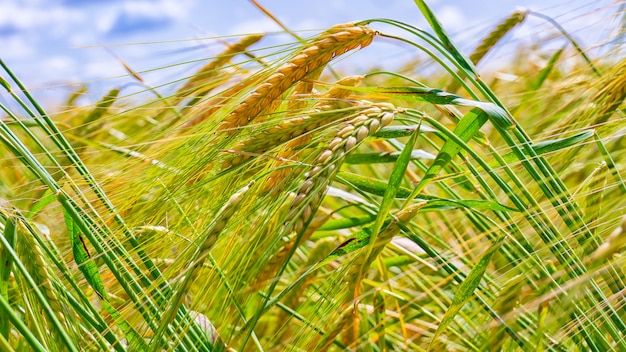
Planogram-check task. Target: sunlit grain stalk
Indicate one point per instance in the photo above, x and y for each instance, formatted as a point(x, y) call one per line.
point(611, 94)
point(197, 84)
point(209, 238)
point(502, 29)
point(300, 133)
point(354, 276)
point(35, 262)
point(307, 199)
point(332, 43)
point(295, 132)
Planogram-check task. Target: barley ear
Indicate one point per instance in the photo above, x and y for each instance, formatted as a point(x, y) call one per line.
point(497, 34)
point(332, 43)
point(197, 83)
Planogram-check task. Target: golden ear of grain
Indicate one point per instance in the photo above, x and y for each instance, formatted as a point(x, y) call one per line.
point(334, 42)
point(294, 131)
point(205, 109)
point(209, 71)
point(346, 320)
point(612, 93)
point(307, 199)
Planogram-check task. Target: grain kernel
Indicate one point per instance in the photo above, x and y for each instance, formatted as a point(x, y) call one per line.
point(240, 108)
point(307, 212)
point(327, 43)
point(316, 170)
point(219, 226)
point(350, 143)
point(298, 225)
point(386, 118)
point(386, 106)
point(362, 133)
point(288, 68)
point(263, 88)
point(342, 36)
point(306, 186)
point(310, 51)
point(299, 59)
point(275, 78)
point(298, 199)
point(359, 119)
point(345, 131)
point(374, 126)
point(325, 156)
point(333, 145)
point(371, 110)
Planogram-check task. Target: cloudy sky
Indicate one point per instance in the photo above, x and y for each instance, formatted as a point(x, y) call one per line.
point(59, 43)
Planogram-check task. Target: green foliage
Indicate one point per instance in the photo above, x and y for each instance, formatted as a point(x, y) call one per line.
point(256, 205)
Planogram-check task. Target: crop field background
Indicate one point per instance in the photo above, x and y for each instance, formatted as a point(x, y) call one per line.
point(377, 185)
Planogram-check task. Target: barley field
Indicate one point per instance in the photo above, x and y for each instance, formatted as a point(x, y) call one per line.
point(268, 201)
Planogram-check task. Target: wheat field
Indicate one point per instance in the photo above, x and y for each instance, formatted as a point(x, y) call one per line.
point(269, 201)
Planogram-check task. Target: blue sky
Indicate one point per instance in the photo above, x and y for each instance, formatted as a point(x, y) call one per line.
point(59, 43)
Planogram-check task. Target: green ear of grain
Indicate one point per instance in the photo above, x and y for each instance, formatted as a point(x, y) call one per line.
point(6, 263)
point(379, 319)
point(31, 341)
point(102, 106)
point(56, 326)
point(466, 289)
point(611, 164)
point(76, 94)
point(497, 34)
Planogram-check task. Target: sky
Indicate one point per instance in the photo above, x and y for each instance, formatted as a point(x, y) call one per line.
point(55, 45)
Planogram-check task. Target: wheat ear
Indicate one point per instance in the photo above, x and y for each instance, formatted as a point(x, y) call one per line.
point(307, 199)
point(334, 42)
point(209, 238)
point(291, 129)
point(297, 131)
point(209, 71)
point(497, 34)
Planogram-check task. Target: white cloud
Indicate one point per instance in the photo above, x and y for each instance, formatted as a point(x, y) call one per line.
point(451, 18)
point(54, 19)
point(163, 8)
point(15, 48)
point(59, 63)
point(257, 25)
point(106, 19)
point(102, 69)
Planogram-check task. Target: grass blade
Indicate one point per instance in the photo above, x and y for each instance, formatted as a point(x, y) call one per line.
point(466, 290)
